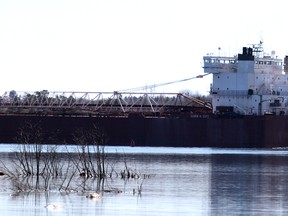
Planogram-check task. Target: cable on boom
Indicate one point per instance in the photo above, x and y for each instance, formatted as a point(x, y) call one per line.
point(162, 84)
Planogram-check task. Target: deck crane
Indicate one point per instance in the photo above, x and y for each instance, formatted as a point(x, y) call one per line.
point(195, 100)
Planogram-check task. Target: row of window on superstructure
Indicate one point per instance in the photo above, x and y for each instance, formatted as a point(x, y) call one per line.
point(277, 63)
point(220, 60)
point(233, 61)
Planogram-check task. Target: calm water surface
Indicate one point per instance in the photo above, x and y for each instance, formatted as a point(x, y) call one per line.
point(184, 181)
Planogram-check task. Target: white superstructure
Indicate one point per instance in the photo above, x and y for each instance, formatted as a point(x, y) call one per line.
point(250, 83)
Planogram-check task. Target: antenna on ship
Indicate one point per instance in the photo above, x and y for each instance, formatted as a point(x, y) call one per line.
point(258, 48)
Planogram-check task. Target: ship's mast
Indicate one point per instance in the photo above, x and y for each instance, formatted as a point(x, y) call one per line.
point(257, 48)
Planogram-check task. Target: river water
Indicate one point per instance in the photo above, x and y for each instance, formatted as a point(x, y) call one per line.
point(179, 181)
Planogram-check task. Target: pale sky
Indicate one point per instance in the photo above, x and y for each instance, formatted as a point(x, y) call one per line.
point(92, 45)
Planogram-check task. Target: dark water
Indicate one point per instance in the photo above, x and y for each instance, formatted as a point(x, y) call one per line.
point(184, 181)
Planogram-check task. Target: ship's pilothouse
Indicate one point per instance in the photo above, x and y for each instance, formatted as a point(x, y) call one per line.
point(250, 83)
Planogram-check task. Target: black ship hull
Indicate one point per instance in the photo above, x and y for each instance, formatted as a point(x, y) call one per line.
point(196, 131)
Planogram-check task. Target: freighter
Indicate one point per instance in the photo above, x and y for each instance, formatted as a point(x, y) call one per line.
point(249, 110)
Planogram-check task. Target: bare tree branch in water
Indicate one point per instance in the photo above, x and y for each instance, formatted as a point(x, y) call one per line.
point(91, 152)
point(30, 150)
point(34, 160)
